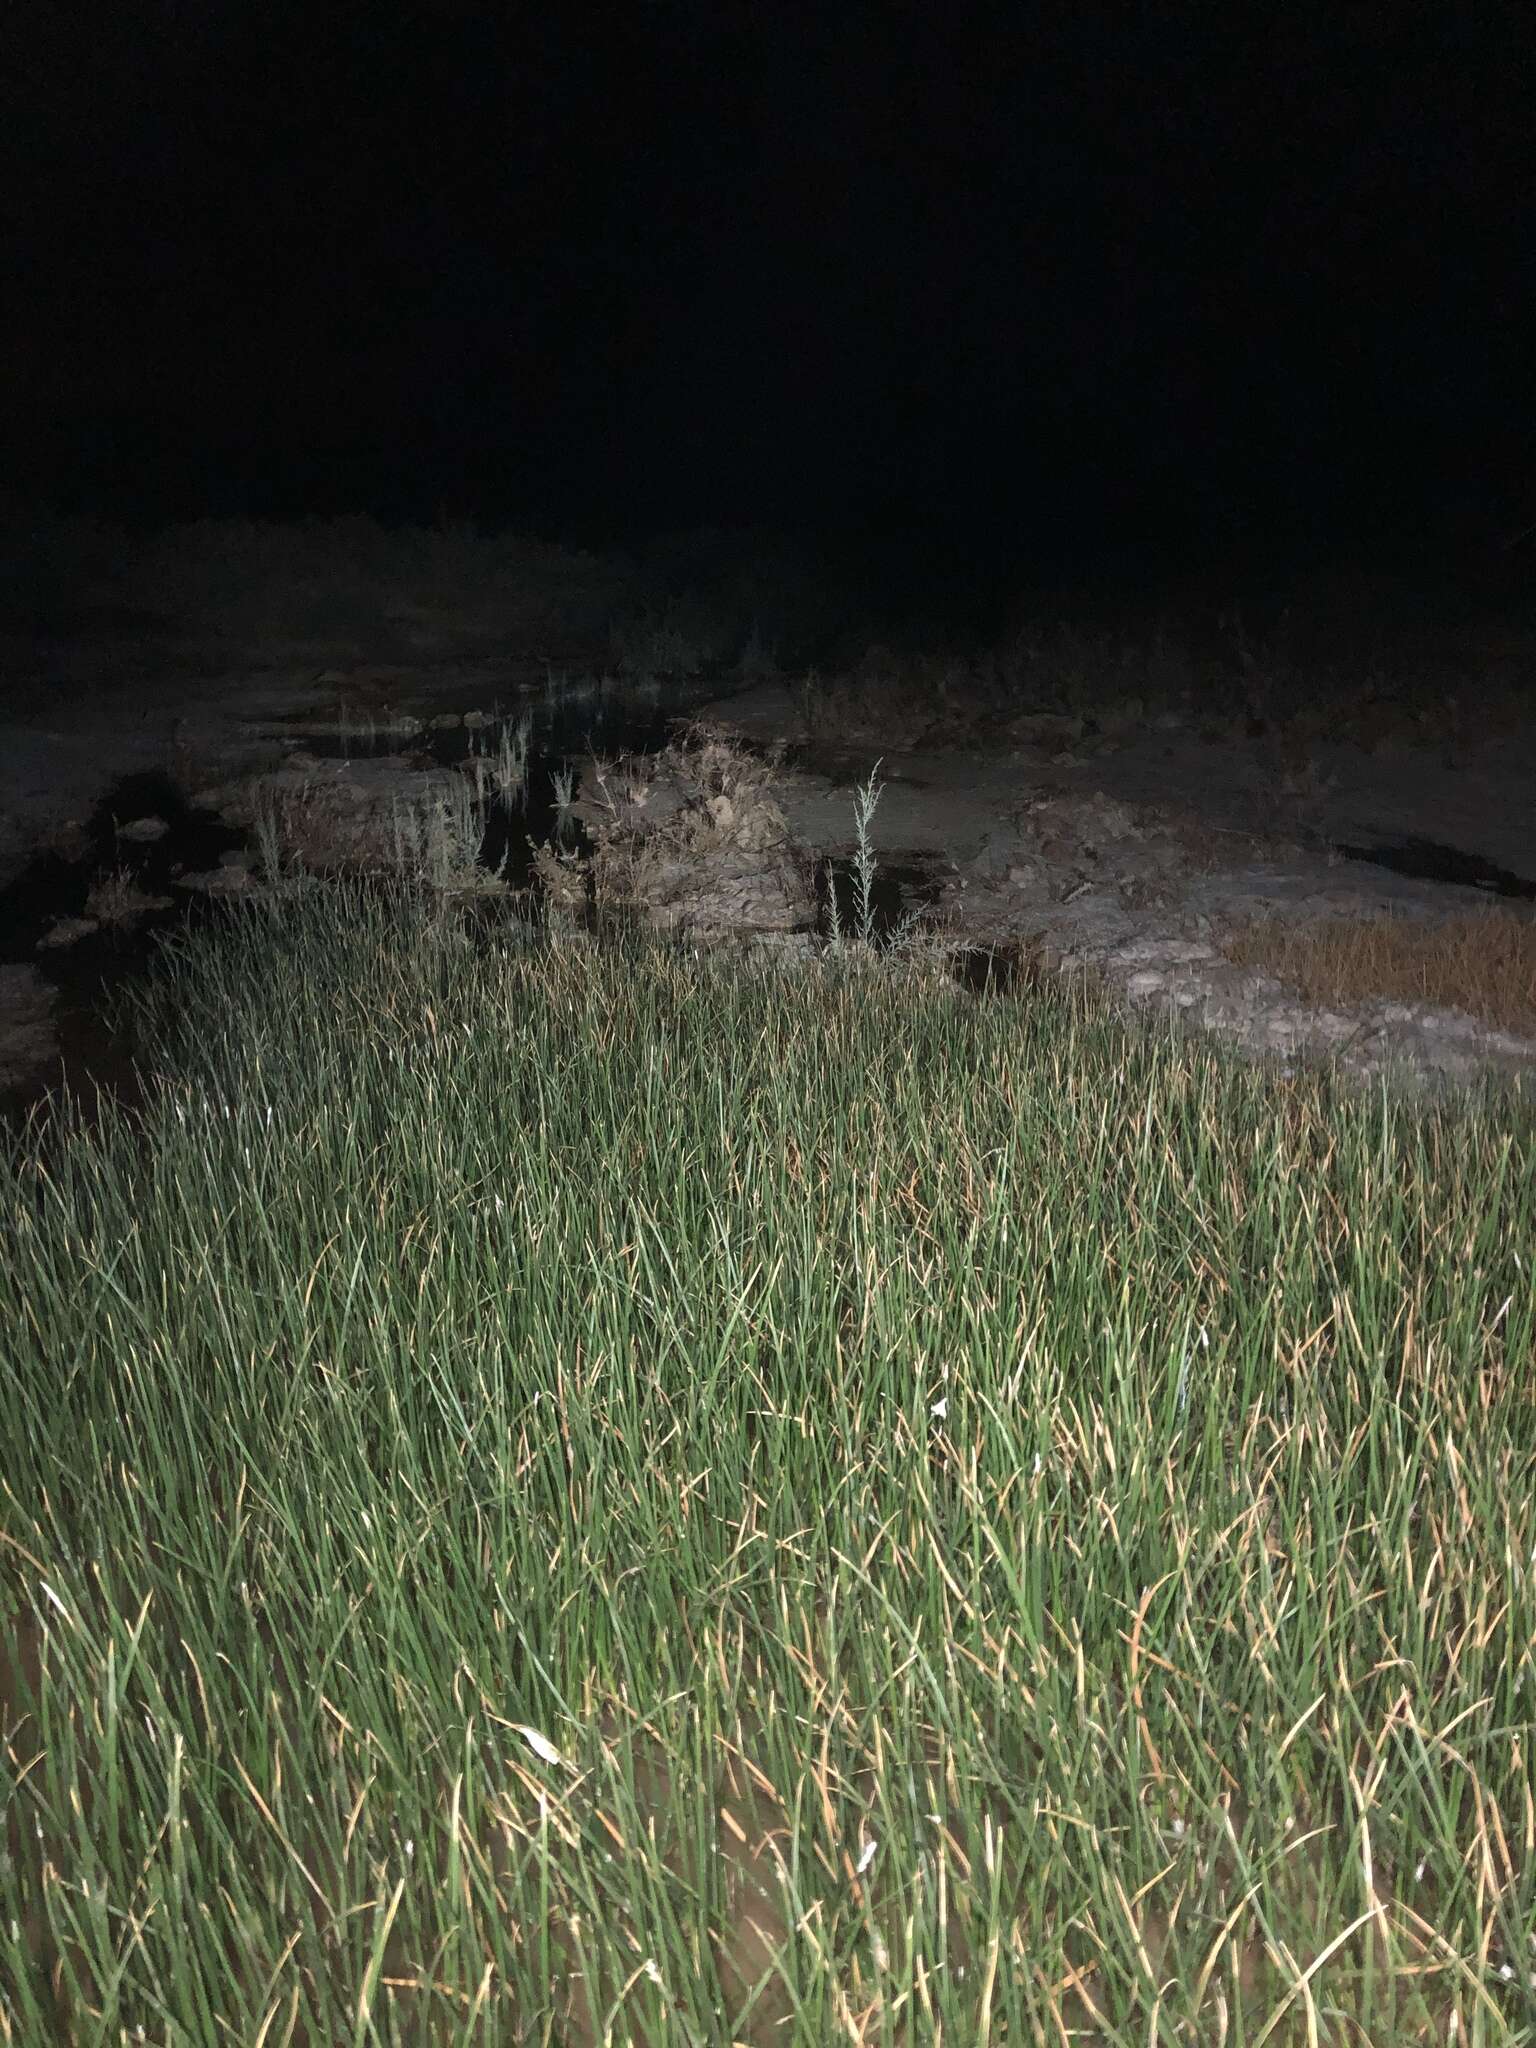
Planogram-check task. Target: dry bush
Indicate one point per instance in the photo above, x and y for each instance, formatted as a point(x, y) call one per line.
point(1482, 962)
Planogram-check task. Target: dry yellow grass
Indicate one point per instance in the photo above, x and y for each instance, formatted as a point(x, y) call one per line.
point(1482, 962)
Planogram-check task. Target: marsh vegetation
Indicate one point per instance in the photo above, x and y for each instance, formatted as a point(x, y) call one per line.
point(557, 1492)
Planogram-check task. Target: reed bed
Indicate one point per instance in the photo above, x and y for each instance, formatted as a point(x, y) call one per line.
point(563, 1495)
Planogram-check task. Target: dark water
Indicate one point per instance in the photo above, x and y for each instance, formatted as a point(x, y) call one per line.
point(53, 886)
point(895, 891)
point(1431, 860)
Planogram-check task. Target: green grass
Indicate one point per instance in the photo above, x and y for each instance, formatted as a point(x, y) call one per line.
point(575, 1495)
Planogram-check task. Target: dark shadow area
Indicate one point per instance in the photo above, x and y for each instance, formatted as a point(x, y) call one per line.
point(895, 891)
point(994, 970)
point(56, 885)
point(1430, 860)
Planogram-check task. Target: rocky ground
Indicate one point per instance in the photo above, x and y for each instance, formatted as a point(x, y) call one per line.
point(1136, 842)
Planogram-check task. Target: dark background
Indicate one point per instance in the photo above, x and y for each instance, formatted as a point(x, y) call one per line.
point(1137, 283)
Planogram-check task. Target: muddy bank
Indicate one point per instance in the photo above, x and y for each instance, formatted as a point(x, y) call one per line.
point(1138, 842)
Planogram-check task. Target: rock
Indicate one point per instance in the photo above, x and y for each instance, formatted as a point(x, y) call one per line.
point(67, 931)
point(220, 881)
point(1166, 950)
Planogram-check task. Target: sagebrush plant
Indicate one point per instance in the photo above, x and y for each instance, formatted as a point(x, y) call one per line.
point(581, 1495)
point(865, 866)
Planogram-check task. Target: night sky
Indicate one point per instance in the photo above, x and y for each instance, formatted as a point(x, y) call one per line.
point(1070, 278)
